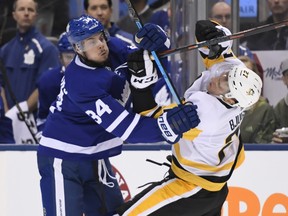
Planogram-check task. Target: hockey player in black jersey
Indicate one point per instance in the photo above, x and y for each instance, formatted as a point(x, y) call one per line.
point(88, 123)
point(205, 157)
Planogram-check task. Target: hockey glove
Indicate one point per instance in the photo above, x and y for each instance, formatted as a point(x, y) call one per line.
point(142, 69)
point(174, 122)
point(207, 30)
point(152, 38)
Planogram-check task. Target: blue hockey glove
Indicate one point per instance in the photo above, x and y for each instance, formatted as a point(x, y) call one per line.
point(207, 30)
point(174, 122)
point(142, 69)
point(152, 38)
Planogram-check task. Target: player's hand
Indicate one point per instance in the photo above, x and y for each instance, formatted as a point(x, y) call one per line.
point(174, 122)
point(142, 69)
point(207, 30)
point(152, 38)
point(277, 138)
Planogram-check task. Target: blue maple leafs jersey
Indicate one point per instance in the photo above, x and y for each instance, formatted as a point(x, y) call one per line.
point(48, 87)
point(88, 119)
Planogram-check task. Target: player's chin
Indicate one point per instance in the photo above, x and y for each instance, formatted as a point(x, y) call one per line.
point(104, 56)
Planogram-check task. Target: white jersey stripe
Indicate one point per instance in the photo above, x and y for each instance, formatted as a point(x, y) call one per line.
point(117, 121)
point(59, 187)
point(70, 148)
point(36, 42)
point(125, 39)
point(131, 127)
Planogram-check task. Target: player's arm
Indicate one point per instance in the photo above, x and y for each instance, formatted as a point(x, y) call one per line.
point(143, 77)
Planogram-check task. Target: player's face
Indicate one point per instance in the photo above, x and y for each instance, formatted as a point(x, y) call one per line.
point(96, 48)
point(219, 85)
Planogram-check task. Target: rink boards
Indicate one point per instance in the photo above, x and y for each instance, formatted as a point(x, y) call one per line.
point(258, 187)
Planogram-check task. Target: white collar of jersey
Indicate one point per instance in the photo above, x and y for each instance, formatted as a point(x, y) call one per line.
point(79, 63)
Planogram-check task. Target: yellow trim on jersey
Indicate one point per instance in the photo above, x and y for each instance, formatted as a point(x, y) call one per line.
point(210, 62)
point(190, 177)
point(194, 179)
point(149, 112)
point(191, 134)
point(161, 195)
point(241, 158)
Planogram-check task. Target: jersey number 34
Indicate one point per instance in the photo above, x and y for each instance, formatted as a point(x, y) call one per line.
point(101, 108)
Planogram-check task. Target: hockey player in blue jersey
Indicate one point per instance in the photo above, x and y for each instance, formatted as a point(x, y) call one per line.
point(49, 83)
point(102, 10)
point(89, 123)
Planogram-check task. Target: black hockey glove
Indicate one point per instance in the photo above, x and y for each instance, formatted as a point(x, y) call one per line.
point(206, 30)
point(178, 120)
point(142, 69)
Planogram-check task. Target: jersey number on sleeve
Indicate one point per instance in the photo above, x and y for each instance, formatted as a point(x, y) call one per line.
point(101, 108)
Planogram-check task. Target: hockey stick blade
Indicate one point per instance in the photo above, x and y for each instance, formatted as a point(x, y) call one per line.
point(241, 34)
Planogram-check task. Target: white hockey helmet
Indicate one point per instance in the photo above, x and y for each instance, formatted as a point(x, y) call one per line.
point(245, 86)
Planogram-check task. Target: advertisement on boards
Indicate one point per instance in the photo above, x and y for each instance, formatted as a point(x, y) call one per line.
point(258, 187)
point(269, 65)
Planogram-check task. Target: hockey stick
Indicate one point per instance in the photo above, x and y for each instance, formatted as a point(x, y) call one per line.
point(241, 34)
point(167, 79)
point(21, 113)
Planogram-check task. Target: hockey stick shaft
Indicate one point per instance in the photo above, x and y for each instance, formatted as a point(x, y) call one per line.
point(21, 113)
point(238, 35)
point(167, 79)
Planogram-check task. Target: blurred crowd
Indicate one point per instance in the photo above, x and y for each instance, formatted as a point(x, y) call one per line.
point(32, 45)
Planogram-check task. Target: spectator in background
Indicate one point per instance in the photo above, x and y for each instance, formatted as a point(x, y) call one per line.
point(274, 39)
point(102, 10)
point(144, 11)
point(49, 83)
point(258, 123)
point(221, 13)
point(25, 57)
point(281, 108)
